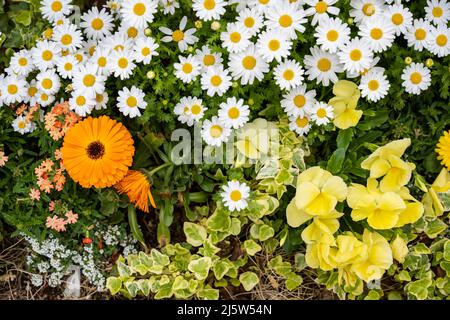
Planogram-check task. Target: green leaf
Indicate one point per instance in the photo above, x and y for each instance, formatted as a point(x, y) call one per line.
point(419, 288)
point(195, 234)
point(159, 258)
point(132, 288)
point(265, 232)
point(248, 280)
point(435, 227)
point(134, 226)
point(336, 160)
point(208, 293)
point(251, 247)
point(372, 295)
point(23, 17)
point(446, 250)
point(300, 261)
point(113, 284)
point(219, 221)
point(293, 280)
point(200, 267)
point(220, 268)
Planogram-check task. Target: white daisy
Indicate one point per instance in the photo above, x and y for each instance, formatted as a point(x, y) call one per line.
point(21, 125)
point(356, 56)
point(48, 82)
point(187, 69)
point(235, 195)
point(288, 74)
point(31, 98)
point(44, 54)
point(101, 101)
point(61, 22)
point(68, 37)
point(66, 66)
point(301, 124)
point(209, 9)
point(236, 38)
point(322, 66)
point(216, 80)
point(81, 104)
point(138, 13)
point(169, 6)
point(44, 99)
point(97, 24)
point(214, 132)
point(207, 58)
point(286, 17)
point(439, 41)
point(400, 17)
point(234, 113)
point(418, 34)
point(13, 89)
point(86, 80)
point(144, 49)
point(54, 9)
point(261, 5)
point(332, 34)
point(22, 63)
point(248, 65)
point(437, 11)
point(321, 9)
point(416, 78)
point(131, 32)
point(378, 32)
point(366, 9)
point(182, 37)
point(298, 101)
point(101, 59)
point(252, 20)
point(321, 113)
point(130, 100)
point(273, 45)
point(190, 110)
point(117, 42)
point(374, 85)
point(122, 64)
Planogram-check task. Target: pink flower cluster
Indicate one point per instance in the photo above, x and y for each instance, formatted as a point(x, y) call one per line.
point(50, 175)
point(59, 120)
point(3, 158)
point(59, 224)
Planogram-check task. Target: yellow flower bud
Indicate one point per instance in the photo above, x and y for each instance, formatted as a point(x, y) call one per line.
point(399, 249)
point(148, 32)
point(198, 24)
point(190, 49)
point(408, 60)
point(165, 102)
point(215, 25)
point(429, 62)
point(350, 21)
point(151, 75)
point(251, 102)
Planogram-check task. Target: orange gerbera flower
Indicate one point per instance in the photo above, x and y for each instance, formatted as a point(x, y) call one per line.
point(97, 152)
point(137, 187)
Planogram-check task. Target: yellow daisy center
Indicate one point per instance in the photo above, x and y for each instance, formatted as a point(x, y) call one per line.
point(249, 22)
point(437, 12)
point(177, 35)
point(216, 131)
point(44, 97)
point(32, 91)
point(397, 19)
point(81, 101)
point(56, 6)
point(249, 62)
point(285, 21)
point(264, 1)
point(21, 125)
point(139, 9)
point(332, 35)
point(145, 51)
point(441, 40)
point(68, 66)
point(196, 109)
point(235, 195)
point(97, 24)
point(288, 74)
point(119, 47)
point(373, 85)
point(123, 63)
point(235, 37)
point(79, 57)
point(92, 50)
point(132, 32)
point(23, 62)
point(321, 113)
point(66, 39)
point(131, 102)
point(99, 98)
point(376, 33)
point(324, 64)
point(233, 113)
point(368, 9)
point(12, 89)
point(187, 68)
point(274, 45)
point(209, 60)
point(355, 54)
point(47, 55)
point(416, 78)
point(101, 61)
point(301, 122)
point(209, 4)
point(420, 34)
point(89, 80)
point(47, 84)
point(321, 7)
point(216, 80)
point(299, 101)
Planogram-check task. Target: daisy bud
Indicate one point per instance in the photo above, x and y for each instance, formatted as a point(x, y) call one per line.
point(151, 75)
point(251, 102)
point(235, 84)
point(408, 60)
point(148, 32)
point(165, 102)
point(190, 49)
point(68, 88)
point(350, 21)
point(215, 25)
point(165, 74)
point(429, 62)
point(198, 24)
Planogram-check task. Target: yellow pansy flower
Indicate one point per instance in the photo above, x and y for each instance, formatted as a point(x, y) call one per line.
point(350, 250)
point(344, 104)
point(321, 226)
point(318, 192)
point(432, 203)
point(413, 211)
point(385, 162)
point(377, 259)
point(382, 210)
point(399, 249)
point(320, 254)
point(255, 138)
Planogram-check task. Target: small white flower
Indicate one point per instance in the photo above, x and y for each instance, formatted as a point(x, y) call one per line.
point(234, 113)
point(207, 58)
point(332, 34)
point(322, 66)
point(122, 64)
point(97, 24)
point(48, 82)
point(273, 45)
point(374, 85)
point(288, 74)
point(356, 56)
point(416, 78)
point(187, 69)
point(248, 65)
point(301, 124)
point(214, 132)
point(190, 110)
point(298, 101)
point(321, 113)
point(138, 13)
point(209, 9)
point(182, 37)
point(130, 101)
point(216, 80)
point(144, 49)
point(236, 38)
point(21, 125)
point(235, 195)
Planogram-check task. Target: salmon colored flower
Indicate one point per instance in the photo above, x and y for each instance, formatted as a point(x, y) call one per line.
point(35, 194)
point(3, 159)
point(71, 217)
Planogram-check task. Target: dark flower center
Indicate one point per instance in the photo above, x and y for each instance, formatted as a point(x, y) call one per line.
point(95, 150)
